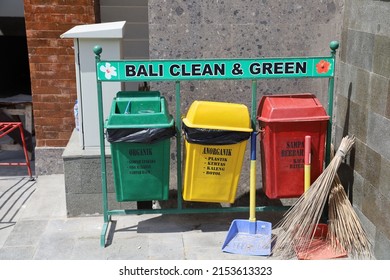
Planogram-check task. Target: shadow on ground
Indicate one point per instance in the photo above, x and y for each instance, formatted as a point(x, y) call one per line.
point(205, 222)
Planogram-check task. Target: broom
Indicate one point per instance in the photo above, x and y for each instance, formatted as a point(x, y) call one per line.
point(297, 228)
point(344, 226)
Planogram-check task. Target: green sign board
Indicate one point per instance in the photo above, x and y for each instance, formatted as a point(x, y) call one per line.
point(176, 70)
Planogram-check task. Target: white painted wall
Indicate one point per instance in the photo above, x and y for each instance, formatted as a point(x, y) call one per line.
point(11, 8)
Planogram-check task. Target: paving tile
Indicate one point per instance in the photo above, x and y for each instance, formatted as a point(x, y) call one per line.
point(49, 201)
point(26, 233)
point(8, 182)
point(14, 198)
point(205, 240)
point(57, 246)
point(5, 230)
point(132, 248)
point(89, 249)
point(167, 246)
point(17, 253)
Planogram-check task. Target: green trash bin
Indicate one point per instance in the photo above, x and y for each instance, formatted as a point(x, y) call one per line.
point(139, 129)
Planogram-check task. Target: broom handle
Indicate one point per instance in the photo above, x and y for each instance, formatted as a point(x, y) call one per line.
point(252, 183)
point(307, 162)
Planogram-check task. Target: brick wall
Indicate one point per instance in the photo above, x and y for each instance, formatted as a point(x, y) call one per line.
point(52, 70)
point(363, 109)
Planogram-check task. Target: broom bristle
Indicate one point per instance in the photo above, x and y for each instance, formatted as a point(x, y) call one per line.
point(344, 225)
point(297, 227)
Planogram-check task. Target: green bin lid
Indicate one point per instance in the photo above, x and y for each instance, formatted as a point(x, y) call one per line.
point(139, 110)
point(137, 94)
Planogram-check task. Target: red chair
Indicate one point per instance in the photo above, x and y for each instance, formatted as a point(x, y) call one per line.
point(7, 127)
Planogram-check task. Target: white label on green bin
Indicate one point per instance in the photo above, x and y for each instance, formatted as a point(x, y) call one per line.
point(257, 68)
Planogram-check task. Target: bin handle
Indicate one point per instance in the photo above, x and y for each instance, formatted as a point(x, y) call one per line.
point(261, 132)
point(145, 111)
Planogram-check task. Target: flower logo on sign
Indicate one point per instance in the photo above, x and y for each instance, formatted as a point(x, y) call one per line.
point(323, 67)
point(108, 70)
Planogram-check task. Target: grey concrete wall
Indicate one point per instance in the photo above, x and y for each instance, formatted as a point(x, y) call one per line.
point(363, 109)
point(238, 29)
point(136, 33)
point(198, 29)
point(48, 161)
point(83, 185)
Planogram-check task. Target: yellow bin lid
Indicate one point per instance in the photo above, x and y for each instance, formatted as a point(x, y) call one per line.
point(218, 115)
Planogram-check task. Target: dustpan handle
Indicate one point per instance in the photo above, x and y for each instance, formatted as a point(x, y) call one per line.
point(252, 176)
point(252, 184)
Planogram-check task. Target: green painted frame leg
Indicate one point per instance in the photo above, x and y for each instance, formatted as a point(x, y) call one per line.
point(178, 146)
point(103, 233)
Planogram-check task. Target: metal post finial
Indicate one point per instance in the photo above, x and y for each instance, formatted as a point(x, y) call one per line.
point(97, 50)
point(334, 45)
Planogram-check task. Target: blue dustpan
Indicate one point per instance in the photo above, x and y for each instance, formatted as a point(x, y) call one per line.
point(249, 237)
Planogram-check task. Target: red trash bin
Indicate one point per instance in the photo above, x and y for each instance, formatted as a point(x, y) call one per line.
point(285, 120)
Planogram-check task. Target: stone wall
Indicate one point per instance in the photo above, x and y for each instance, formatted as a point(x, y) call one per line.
point(192, 29)
point(363, 109)
point(181, 29)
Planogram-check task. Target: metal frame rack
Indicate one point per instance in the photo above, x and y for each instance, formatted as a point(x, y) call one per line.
point(205, 69)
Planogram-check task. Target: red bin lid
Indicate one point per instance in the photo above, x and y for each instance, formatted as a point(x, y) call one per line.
point(291, 108)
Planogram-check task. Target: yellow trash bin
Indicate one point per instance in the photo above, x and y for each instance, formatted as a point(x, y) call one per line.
point(216, 134)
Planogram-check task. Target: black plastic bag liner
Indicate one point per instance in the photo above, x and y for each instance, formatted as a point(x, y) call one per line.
point(139, 135)
point(205, 136)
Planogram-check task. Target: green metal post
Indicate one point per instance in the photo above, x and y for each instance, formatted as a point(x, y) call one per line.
point(178, 146)
point(98, 50)
point(333, 46)
point(254, 104)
